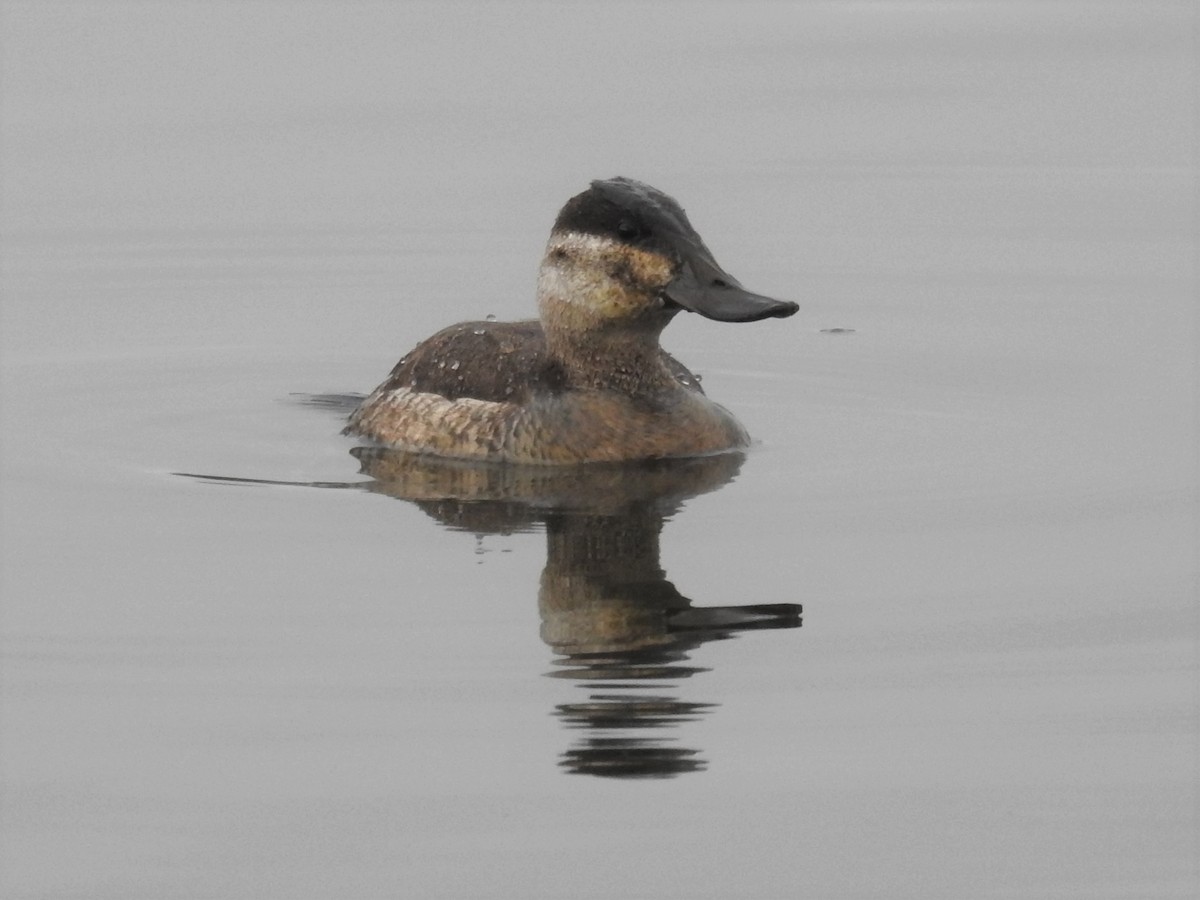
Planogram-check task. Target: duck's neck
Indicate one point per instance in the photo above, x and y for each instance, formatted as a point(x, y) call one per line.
point(609, 340)
point(619, 359)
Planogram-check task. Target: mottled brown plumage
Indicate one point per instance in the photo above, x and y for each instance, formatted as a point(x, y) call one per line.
point(589, 381)
point(502, 362)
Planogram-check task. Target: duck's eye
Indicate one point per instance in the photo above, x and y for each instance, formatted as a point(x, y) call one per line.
point(628, 230)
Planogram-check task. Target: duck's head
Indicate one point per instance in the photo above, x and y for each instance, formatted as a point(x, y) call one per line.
point(623, 254)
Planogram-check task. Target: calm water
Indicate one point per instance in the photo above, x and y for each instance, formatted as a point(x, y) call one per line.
point(320, 673)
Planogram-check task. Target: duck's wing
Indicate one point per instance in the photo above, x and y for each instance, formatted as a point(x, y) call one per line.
point(500, 362)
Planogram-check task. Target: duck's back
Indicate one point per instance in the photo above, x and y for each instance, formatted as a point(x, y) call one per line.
point(497, 362)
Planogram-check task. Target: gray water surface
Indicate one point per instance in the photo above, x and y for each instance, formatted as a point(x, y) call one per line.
point(311, 674)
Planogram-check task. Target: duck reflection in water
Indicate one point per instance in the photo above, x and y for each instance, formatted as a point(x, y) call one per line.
point(619, 628)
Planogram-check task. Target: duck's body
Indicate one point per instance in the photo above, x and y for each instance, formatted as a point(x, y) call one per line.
point(589, 382)
point(491, 390)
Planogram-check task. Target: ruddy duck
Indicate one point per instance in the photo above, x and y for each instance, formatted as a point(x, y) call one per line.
point(589, 382)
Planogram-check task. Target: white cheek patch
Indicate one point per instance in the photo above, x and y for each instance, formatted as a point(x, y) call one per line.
point(565, 275)
point(577, 243)
point(575, 269)
point(556, 283)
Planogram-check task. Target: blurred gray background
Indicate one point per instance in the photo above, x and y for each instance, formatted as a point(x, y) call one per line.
point(984, 492)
